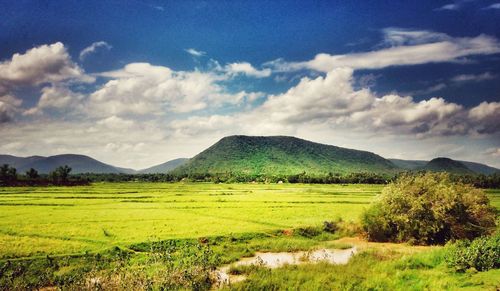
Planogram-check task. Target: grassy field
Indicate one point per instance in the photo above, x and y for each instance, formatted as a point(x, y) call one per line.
point(61, 220)
point(80, 227)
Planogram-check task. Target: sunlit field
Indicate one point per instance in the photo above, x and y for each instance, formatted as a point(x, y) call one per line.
point(65, 220)
point(63, 236)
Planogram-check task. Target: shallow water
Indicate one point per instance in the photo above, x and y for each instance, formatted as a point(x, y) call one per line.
point(276, 260)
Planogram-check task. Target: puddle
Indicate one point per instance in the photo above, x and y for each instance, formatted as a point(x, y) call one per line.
point(276, 260)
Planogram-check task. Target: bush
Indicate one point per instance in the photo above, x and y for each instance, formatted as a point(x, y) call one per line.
point(481, 254)
point(309, 231)
point(332, 226)
point(428, 208)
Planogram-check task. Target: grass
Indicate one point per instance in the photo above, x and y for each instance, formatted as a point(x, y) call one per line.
point(375, 268)
point(60, 220)
point(66, 236)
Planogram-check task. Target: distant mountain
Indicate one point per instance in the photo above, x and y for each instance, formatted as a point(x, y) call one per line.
point(446, 165)
point(282, 155)
point(44, 165)
point(165, 167)
point(19, 162)
point(408, 164)
point(420, 164)
point(480, 168)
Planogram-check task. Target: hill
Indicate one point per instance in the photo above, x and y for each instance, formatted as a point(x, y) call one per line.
point(165, 167)
point(408, 164)
point(44, 165)
point(480, 168)
point(258, 155)
point(477, 168)
point(446, 165)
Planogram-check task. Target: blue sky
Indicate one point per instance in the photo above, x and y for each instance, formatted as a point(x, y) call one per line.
point(135, 83)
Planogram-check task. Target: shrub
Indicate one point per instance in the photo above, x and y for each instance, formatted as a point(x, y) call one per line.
point(428, 208)
point(331, 226)
point(309, 231)
point(481, 254)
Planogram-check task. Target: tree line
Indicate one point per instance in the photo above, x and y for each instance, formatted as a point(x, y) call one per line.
point(62, 176)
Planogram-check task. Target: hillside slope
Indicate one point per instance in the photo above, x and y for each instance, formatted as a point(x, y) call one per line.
point(477, 168)
point(480, 168)
point(165, 167)
point(44, 165)
point(257, 155)
point(446, 165)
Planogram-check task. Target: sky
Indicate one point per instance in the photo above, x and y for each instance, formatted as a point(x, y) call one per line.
point(137, 83)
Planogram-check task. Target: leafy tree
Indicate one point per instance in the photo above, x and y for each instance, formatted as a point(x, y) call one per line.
point(63, 173)
point(60, 175)
point(428, 208)
point(32, 174)
point(8, 175)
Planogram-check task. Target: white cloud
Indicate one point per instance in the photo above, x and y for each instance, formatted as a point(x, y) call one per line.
point(332, 102)
point(143, 89)
point(42, 64)
point(247, 69)
point(57, 97)
point(474, 78)
point(492, 152)
point(452, 6)
point(9, 106)
point(115, 122)
point(430, 90)
point(407, 48)
point(195, 53)
point(394, 36)
point(493, 6)
point(93, 48)
point(486, 117)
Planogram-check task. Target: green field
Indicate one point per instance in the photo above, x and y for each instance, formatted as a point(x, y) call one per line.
point(79, 228)
point(61, 220)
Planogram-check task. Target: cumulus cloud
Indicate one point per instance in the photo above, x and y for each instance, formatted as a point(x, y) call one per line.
point(9, 106)
point(141, 88)
point(407, 48)
point(247, 69)
point(57, 97)
point(42, 64)
point(331, 101)
point(93, 48)
point(486, 117)
point(195, 53)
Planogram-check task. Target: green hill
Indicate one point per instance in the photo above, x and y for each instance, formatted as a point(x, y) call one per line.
point(477, 168)
point(447, 165)
point(258, 155)
point(165, 167)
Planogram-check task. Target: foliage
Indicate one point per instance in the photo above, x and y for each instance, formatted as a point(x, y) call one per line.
point(60, 177)
point(8, 175)
point(482, 254)
point(428, 209)
point(309, 231)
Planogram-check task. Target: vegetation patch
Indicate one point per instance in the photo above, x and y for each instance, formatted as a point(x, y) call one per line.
point(481, 254)
point(429, 209)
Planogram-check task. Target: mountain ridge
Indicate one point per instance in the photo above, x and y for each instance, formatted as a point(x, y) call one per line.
point(267, 155)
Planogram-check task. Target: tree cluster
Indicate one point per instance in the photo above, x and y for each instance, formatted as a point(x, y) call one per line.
point(59, 177)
